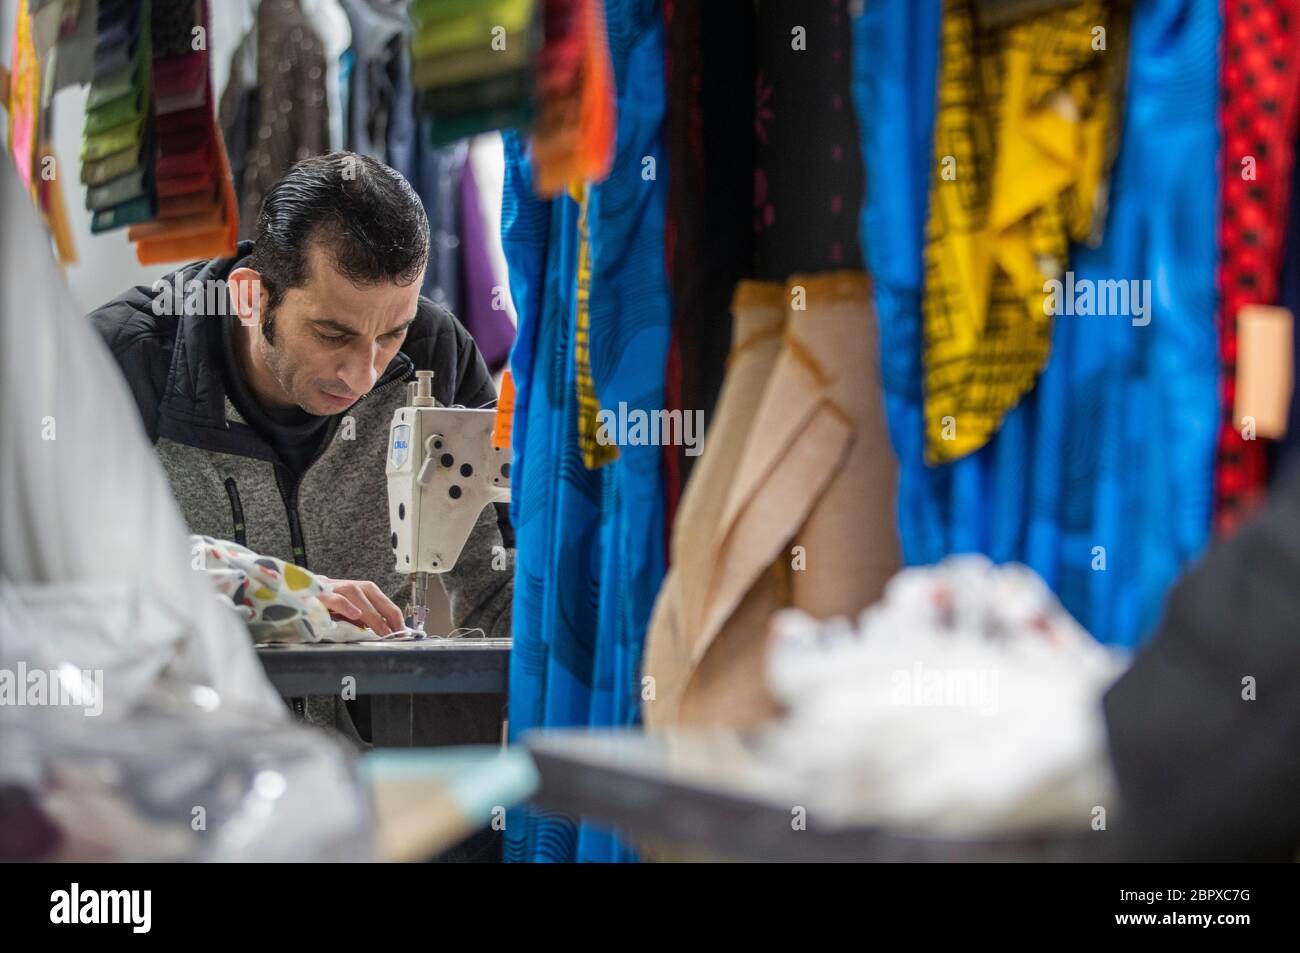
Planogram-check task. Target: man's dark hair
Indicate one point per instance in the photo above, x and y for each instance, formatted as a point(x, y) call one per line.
point(366, 216)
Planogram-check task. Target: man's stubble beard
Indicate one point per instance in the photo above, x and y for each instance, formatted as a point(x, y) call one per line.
point(277, 362)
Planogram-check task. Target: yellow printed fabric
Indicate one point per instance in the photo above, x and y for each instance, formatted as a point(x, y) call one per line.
point(1021, 149)
point(595, 451)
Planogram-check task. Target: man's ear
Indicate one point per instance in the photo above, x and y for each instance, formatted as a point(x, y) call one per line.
point(244, 286)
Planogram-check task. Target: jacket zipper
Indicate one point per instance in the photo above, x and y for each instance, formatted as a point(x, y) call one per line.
point(236, 511)
point(290, 496)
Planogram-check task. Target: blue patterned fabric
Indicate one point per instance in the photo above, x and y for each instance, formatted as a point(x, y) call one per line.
point(1115, 446)
point(590, 550)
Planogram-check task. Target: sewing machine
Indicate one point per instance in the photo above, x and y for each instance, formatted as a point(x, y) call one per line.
point(442, 470)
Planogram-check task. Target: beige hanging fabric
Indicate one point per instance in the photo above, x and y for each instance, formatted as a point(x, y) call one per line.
point(806, 517)
point(758, 322)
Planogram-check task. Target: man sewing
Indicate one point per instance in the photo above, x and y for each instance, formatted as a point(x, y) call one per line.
point(271, 415)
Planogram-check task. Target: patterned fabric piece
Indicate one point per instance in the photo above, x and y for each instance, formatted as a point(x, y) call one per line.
point(278, 115)
point(1020, 149)
point(807, 171)
point(1074, 465)
point(596, 452)
point(590, 552)
point(278, 600)
point(173, 26)
point(709, 127)
point(1258, 120)
point(573, 138)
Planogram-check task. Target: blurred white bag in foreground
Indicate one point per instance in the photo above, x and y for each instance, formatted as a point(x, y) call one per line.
point(136, 722)
point(966, 701)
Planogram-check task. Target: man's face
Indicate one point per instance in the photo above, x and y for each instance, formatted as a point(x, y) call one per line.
point(331, 340)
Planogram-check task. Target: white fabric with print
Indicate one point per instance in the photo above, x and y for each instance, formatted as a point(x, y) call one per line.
point(280, 602)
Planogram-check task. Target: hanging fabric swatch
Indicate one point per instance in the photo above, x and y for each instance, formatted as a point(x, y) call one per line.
point(380, 99)
point(24, 98)
point(1258, 121)
point(273, 111)
point(27, 99)
point(53, 205)
point(1021, 153)
point(117, 153)
point(461, 276)
point(152, 158)
point(766, 174)
point(472, 64)
point(482, 306)
point(807, 173)
point(559, 91)
point(596, 451)
point(589, 542)
point(330, 21)
point(1100, 479)
point(438, 170)
point(709, 127)
point(197, 215)
point(574, 136)
point(74, 48)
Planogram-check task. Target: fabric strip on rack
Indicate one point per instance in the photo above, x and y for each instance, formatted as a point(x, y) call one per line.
point(1258, 119)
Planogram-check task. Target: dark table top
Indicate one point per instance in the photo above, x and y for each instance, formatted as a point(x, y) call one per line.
point(428, 667)
point(712, 794)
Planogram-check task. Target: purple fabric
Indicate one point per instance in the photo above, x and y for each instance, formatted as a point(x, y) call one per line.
point(492, 329)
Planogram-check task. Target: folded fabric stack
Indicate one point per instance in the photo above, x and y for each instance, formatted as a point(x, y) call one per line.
point(117, 155)
point(153, 158)
point(196, 216)
point(473, 64)
point(966, 701)
point(574, 136)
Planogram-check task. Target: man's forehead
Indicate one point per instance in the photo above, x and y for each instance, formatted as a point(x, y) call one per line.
point(335, 302)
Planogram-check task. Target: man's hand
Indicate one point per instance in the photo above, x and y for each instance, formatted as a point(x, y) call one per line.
point(364, 604)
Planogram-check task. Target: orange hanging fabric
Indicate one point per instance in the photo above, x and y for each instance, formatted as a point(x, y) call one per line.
point(196, 235)
point(574, 136)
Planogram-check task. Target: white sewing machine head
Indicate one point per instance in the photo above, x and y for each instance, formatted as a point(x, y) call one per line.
point(442, 470)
